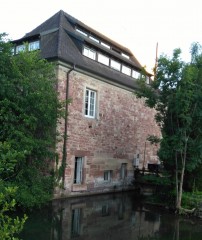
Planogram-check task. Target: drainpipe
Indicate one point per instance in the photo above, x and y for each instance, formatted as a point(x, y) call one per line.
point(64, 157)
point(143, 167)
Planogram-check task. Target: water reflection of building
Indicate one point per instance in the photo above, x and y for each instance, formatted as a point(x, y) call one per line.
point(76, 222)
point(105, 218)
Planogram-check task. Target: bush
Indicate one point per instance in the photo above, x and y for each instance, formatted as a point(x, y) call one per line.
point(9, 227)
point(34, 188)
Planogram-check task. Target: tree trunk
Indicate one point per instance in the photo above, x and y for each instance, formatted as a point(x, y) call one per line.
point(179, 200)
point(176, 179)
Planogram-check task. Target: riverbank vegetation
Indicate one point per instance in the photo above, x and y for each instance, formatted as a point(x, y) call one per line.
point(29, 111)
point(176, 94)
point(163, 194)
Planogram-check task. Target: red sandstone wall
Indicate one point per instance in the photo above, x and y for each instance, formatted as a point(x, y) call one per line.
point(118, 133)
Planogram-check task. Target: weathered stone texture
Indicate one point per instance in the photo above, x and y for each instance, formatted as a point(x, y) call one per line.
point(115, 136)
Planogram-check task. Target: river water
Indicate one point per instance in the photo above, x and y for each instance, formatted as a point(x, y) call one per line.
point(108, 217)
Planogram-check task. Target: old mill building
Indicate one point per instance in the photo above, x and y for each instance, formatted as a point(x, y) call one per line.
point(107, 126)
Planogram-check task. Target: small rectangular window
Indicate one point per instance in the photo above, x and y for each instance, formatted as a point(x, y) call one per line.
point(107, 175)
point(81, 32)
point(147, 80)
point(20, 48)
point(105, 45)
point(33, 46)
point(115, 65)
point(13, 50)
point(88, 52)
point(116, 50)
point(94, 39)
point(125, 55)
point(78, 169)
point(103, 59)
point(135, 74)
point(126, 70)
point(90, 103)
point(123, 170)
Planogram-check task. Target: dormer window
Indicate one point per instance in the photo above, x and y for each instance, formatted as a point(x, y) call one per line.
point(147, 80)
point(126, 70)
point(135, 74)
point(88, 52)
point(103, 59)
point(115, 65)
point(105, 45)
point(118, 64)
point(94, 39)
point(13, 50)
point(34, 45)
point(81, 32)
point(116, 50)
point(20, 48)
point(124, 55)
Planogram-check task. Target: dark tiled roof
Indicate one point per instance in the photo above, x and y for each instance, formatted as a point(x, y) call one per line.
point(59, 40)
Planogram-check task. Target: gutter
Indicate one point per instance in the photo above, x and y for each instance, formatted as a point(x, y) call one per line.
point(64, 156)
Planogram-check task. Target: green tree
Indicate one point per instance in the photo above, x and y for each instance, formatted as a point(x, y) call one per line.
point(176, 95)
point(29, 110)
point(10, 227)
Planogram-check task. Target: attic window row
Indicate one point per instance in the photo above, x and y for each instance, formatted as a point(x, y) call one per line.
point(86, 34)
point(35, 45)
point(112, 63)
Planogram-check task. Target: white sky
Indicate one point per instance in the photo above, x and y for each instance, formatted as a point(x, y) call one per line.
point(136, 24)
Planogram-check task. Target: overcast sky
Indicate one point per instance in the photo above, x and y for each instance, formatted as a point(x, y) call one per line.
point(136, 24)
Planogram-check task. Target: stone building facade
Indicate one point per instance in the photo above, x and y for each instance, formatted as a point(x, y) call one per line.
point(108, 144)
point(107, 126)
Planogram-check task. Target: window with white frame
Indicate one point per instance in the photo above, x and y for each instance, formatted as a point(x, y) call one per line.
point(90, 103)
point(94, 38)
point(105, 45)
point(20, 48)
point(34, 45)
point(126, 70)
point(88, 52)
point(123, 170)
point(135, 74)
point(107, 175)
point(147, 80)
point(115, 65)
point(81, 32)
point(125, 55)
point(78, 170)
point(13, 50)
point(103, 59)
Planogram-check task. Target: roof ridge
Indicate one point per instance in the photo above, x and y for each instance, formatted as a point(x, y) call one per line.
point(40, 27)
point(61, 14)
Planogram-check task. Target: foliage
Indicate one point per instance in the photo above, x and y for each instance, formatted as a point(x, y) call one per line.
point(176, 95)
point(9, 226)
point(34, 188)
point(191, 200)
point(156, 180)
point(29, 110)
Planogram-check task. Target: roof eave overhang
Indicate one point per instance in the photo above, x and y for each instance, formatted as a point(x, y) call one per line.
point(25, 39)
point(130, 86)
